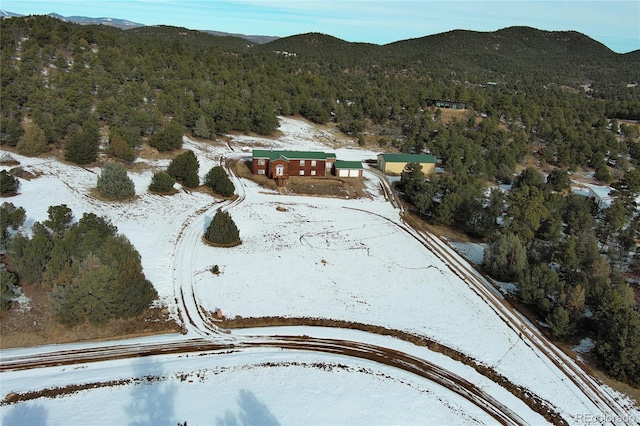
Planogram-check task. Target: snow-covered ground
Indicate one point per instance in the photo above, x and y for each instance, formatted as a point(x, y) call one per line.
point(312, 257)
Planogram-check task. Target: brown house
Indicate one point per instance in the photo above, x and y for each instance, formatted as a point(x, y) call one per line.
point(285, 164)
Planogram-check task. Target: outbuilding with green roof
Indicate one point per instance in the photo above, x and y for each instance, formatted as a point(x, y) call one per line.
point(394, 164)
point(343, 168)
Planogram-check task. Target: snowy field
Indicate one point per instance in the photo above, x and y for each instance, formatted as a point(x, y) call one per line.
point(300, 257)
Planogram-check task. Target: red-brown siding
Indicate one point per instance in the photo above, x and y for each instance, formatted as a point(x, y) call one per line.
point(291, 168)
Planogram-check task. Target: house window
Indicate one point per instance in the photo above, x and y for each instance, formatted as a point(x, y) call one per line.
point(302, 162)
point(261, 162)
point(313, 172)
point(279, 170)
point(313, 163)
point(301, 172)
point(261, 171)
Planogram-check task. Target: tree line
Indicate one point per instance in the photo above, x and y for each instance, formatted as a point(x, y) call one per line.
point(567, 256)
point(62, 82)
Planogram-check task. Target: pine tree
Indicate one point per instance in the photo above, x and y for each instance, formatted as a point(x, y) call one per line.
point(218, 180)
point(184, 169)
point(162, 183)
point(169, 138)
point(506, 258)
point(8, 283)
point(10, 218)
point(119, 148)
point(59, 219)
point(113, 182)
point(82, 147)
point(222, 230)
point(33, 141)
point(8, 184)
point(202, 129)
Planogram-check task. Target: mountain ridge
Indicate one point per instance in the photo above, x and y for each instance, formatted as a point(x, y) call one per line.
point(126, 24)
point(265, 39)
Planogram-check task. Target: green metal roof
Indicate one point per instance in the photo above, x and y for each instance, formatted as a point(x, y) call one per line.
point(340, 164)
point(408, 158)
point(291, 155)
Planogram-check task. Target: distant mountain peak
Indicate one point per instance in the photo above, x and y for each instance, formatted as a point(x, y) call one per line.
point(82, 20)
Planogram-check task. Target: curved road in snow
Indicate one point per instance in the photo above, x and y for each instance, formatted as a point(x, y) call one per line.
point(208, 338)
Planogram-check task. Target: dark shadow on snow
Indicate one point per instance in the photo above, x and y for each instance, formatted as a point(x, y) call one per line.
point(26, 414)
point(152, 398)
point(251, 412)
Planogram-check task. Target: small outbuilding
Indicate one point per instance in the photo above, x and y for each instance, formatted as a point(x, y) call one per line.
point(394, 164)
point(441, 103)
point(601, 195)
point(347, 168)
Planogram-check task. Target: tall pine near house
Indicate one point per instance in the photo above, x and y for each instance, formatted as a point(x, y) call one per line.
point(222, 230)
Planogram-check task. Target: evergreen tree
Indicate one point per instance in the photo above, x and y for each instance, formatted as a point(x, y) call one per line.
point(60, 218)
point(113, 182)
point(67, 304)
point(59, 267)
point(10, 131)
point(161, 182)
point(540, 287)
point(8, 184)
point(31, 256)
point(10, 218)
point(119, 148)
point(184, 169)
point(618, 343)
point(530, 177)
point(412, 180)
point(33, 141)
point(218, 180)
point(560, 322)
point(202, 129)
point(527, 208)
point(94, 274)
point(558, 180)
point(222, 230)
point(169, 138)
point(506, 259)
point(602, 173)
point(8, 283)
point(82, 146)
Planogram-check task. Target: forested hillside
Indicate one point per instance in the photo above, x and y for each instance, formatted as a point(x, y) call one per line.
point(559, 101)
point(58, 76)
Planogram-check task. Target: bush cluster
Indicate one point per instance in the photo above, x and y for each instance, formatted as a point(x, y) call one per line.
point(92, 273)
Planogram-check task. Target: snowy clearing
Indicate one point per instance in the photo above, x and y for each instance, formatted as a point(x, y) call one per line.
point(330, 258)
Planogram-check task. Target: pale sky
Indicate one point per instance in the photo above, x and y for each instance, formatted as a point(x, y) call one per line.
point(616, 24)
